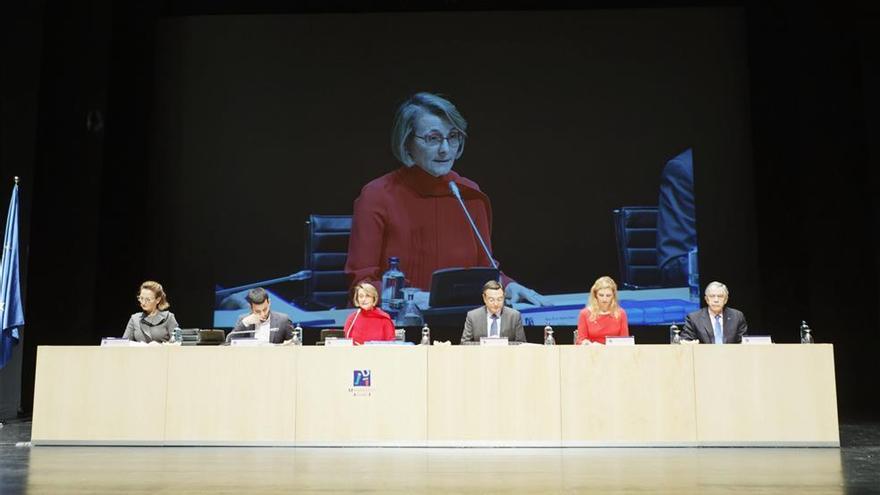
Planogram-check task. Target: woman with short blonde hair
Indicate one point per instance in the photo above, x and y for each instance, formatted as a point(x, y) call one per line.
point(411, 212)
point(368, 323)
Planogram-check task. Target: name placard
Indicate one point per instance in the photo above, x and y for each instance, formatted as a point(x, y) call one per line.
point(493, 341)
point(337, 342)
point(620, 340)
point(757, 339)
point(120, 342)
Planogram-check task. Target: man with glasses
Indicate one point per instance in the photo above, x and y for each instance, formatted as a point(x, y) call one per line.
point(493, 319)
point(715, 324)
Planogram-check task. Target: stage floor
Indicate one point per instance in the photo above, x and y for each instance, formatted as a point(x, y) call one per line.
point(854, 468)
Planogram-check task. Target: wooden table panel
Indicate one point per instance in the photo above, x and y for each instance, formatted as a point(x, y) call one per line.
point(765, 394)
point(232, 396)
point(332, 409)
point(100, 395)
point(628, 395)
point(493, 395)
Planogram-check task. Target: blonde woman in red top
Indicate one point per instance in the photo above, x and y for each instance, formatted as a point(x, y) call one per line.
point(602, 316)
point(368, 322)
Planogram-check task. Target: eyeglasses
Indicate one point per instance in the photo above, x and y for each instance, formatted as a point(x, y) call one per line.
point(434, 139)
point(145, 299)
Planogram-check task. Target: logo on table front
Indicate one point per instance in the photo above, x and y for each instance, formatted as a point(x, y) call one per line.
point(361, 378)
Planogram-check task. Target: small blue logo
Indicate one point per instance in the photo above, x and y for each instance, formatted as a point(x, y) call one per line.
point(361, 378)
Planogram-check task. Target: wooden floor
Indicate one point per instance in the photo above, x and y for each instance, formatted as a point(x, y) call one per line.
point(335, 470)
point(853, 468)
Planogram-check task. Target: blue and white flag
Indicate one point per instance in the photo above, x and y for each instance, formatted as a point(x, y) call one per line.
point(11, 312)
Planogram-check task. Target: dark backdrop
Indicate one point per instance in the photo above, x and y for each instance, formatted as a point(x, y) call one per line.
point(810, 251)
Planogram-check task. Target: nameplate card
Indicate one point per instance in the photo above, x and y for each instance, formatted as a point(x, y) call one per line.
point(620, 340)
point(337, 342)
point(246, 342)
point(493, 341)
point(757, 339)
point(120, 342)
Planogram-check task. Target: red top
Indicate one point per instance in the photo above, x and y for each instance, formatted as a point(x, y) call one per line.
point(411, 214)
point(373, 324)
point(604, 326)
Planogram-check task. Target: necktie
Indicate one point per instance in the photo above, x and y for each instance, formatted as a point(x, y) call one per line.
point(719, 336)
point(493, 330)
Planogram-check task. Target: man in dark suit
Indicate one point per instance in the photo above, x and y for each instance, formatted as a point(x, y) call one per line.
point(715, 324)
point(265, 324)
point(493, 319)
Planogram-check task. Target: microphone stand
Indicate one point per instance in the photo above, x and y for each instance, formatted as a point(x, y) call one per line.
point(454, 188)
point(300, 275)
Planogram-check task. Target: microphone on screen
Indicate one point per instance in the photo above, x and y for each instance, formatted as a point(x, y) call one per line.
point(455, 192)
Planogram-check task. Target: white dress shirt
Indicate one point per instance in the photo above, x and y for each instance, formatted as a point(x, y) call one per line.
point(261, 330)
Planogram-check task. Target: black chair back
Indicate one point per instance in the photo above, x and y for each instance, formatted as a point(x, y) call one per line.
point(635, 228)
point(326, 252)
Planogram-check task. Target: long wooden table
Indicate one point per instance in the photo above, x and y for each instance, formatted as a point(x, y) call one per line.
point(650, 395)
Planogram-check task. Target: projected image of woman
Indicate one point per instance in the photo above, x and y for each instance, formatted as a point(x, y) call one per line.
point(603, 316)
point(410, 213)
point(154, 323)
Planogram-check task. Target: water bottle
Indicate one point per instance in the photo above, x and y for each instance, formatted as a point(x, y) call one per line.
point(177, 336)
point(693, 276)
point(410, 315)
point(675, 334)
point(297, 335)
point(574, 337)
point(806, 333)
point(426, 335)
point(548, 336)
point(392, 285)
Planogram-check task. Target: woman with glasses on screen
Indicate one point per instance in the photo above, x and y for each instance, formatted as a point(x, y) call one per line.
point(154, 323)
point(602, 316)
point(411, 213)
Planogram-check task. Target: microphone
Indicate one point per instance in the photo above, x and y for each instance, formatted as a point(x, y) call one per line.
point(455, 192)
point(348, 332)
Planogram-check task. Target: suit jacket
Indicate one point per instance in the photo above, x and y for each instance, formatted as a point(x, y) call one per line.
point(676, 219)
point(156, 328)
point(276, 320)
point(475, 325)
point(698, 326)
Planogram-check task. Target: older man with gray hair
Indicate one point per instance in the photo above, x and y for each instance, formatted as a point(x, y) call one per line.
point(715, 324)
